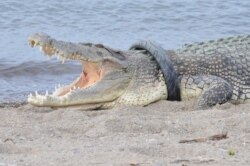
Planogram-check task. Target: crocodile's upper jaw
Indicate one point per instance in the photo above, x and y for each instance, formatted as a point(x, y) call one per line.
point(87, 83)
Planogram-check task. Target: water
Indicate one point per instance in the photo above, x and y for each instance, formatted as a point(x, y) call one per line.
point(114, 23)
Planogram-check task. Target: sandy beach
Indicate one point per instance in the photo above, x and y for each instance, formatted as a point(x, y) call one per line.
point(163, 133)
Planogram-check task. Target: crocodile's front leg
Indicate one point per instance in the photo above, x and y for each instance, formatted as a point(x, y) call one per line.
point(210, 90)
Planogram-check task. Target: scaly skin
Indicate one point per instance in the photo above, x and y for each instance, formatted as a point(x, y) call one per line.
point(217, 71)
point(213, 72)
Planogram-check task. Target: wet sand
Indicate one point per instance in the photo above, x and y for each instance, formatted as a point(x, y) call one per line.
point(125, 136)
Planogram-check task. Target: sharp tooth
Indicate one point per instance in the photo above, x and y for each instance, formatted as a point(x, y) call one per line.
point(41, 48)
point(36, 93)
point(47, 93)
point(30, 95)
point(74, 87)
point(63, 60)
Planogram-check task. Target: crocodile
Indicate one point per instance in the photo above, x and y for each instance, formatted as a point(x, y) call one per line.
point(211, 72)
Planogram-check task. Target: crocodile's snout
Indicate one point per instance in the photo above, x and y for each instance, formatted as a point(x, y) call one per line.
point(39, 39)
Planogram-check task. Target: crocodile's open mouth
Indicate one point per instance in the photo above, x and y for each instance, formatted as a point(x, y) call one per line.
point(92, 72)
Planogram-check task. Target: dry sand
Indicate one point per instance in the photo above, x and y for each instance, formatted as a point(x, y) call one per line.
point(132, 136)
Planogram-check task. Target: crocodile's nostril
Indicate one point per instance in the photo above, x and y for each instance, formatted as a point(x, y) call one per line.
point(32, 43)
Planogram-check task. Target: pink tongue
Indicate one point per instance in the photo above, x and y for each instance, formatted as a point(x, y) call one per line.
point(84, 76)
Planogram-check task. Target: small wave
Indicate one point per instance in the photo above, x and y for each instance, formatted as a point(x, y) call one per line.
point(32, 68)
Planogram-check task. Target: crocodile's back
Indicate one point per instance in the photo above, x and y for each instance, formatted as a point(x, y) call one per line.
point(227, 58)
